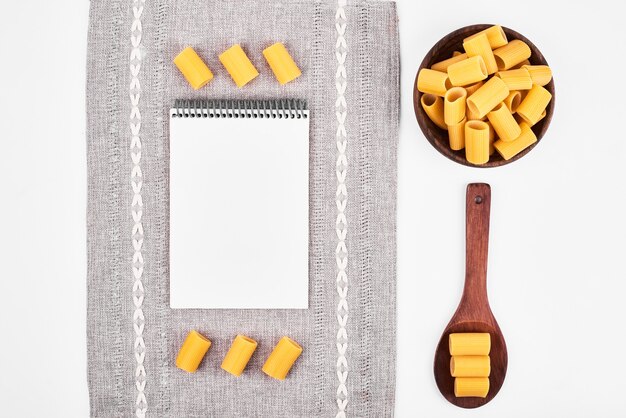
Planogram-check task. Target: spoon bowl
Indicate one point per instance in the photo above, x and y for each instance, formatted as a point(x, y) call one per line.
point(474, 313)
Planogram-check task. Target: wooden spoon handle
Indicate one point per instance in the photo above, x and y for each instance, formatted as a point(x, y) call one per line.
point(478, 205)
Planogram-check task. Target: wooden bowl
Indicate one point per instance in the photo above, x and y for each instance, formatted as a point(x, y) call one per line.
point(439, 137)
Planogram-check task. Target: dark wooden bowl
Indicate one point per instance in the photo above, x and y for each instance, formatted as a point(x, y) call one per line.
point(439, 137)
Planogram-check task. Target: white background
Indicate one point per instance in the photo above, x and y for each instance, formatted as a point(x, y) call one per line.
point(556, 269)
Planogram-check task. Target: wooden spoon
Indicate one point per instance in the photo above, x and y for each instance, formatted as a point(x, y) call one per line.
point(473, 313)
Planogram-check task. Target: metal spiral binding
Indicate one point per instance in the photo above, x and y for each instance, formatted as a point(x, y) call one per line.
point(225, 108)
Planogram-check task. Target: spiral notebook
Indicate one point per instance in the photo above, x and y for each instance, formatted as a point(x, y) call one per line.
point(239, 206)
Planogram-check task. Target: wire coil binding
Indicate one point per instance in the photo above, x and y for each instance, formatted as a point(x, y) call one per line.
point(227, 108)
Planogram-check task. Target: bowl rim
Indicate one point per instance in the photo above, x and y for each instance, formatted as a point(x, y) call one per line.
point(427, 126)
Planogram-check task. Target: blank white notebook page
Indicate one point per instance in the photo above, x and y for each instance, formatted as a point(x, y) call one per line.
point(239, 213)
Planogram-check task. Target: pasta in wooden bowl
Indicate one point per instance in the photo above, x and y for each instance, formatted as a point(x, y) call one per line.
point(484, 96)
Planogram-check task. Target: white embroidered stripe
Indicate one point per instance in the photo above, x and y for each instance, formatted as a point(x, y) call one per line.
point(341, 225)
point(141, 404)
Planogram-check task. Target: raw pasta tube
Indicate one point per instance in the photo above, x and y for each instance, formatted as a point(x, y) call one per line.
point(443, 65)
point(238, 65)
point(479, 46)
point(534, 104)
point(487, 97)
point(433, 82)
point(513, 100)
point(476, 387)
point(504, 123)
point(469, 343)
point(433, 107)
point(511, 54)
point(492, 139)
point(454, 105)
point(524, 93)
point(281, 63)
point(472, 89)
point(193, 68)
point(543, 115)
point(455, 53)
point(192, 351)
point(516, 79)
point(519, 119)
point(521, 64)
point(473, 116)
point(509, 150)
point(282, 358)
point(468, 71)
point(456, 135)
point(495, 35)
point(476, 142)
point(540, 74)
point(470, 366)
point(239, 355)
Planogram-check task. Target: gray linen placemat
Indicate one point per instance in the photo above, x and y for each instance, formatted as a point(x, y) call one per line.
point(349, 56)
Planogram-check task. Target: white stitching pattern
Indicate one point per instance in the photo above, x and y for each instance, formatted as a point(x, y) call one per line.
point(341, 225)
point(136, 54)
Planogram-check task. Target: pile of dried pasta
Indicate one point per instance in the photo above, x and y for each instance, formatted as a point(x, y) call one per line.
point(487, 98)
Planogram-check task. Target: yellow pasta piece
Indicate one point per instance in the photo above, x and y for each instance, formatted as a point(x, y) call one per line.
point(443, 65)
point(524, 94)
point(504, 123)
point(282, 358)
point(540, 74)
point(456, 135)
point(520, 65)
point(492, 139)
point(192, 351)
point(281, 63)
point(433, 82)
point(534, 104)
point(487, 97)
point(543, 115)
point(239, 355)
point(479, 46)
point(433, 107)
point(472, 89)
point(476, 142)
point(516, 79)
point(193, 68)
point(521, 120)
point(513, 100)
point(468, 71)
point(238, 65)
point(495, 35)
point(470, 366)
point(454, 105)
point(470, 343)
point(509, 150)
point(511, 54)
point(470, 115)
point(474, 387)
